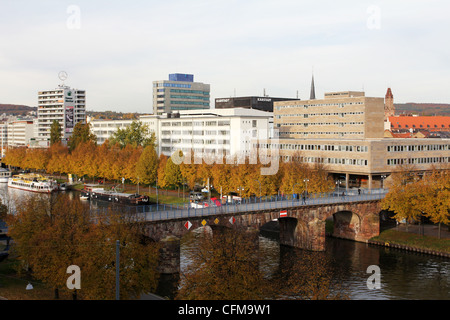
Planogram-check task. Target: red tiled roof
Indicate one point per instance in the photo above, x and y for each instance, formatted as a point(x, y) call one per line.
point(431, 123)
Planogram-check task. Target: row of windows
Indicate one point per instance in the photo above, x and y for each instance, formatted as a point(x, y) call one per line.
point(340, 105)
point(205, 93)
point(348, 162)
point(307, 133)
point(33, 186)
point(195, 141)
point(188, 97)
point(430, 147)
point(195, 132)
point(196, 124)
point(172, 85)
point(313, 147)
point(307, 115)
point(198, 152)
point(395, 162)
point(191, 103)
point(307, 124)
point(183, 108)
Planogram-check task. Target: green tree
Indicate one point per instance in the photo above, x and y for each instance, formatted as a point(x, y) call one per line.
point(55, 133)
point(136, 134)
point(81, 133)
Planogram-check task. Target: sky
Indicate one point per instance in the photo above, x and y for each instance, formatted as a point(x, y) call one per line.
point(115, 49)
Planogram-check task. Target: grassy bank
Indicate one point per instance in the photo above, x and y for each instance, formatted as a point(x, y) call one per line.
point(412, 240)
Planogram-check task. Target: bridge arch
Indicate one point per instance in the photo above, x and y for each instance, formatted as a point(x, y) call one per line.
point(346, 224)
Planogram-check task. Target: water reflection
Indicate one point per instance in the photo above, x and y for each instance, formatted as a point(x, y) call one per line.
point(404, 275)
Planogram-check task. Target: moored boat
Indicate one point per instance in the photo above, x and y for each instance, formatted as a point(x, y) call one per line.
point(93, 192)
point(32, 182)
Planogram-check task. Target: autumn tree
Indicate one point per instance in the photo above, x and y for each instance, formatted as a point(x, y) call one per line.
point(224, 266)
point(162, 182)
point(138, 258)
point(147, 165)
point(308, 276)
point(173, 175)
point(52, 233)
point(129, 171)
point(58, 159)
point(434, 198)
point(15, 157)
point(189, 170)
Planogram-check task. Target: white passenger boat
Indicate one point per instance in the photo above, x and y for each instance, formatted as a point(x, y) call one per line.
point(5, 174)
point(32, 182)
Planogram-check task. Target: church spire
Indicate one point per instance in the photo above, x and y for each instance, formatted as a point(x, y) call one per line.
point(313, 90)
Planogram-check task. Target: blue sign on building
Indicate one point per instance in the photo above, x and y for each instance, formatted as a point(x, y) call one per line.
point(181, 77)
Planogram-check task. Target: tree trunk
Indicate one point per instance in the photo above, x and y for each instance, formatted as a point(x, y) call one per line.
point(439, 232)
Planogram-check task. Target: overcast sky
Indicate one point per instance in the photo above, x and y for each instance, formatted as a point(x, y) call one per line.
point(116, 49)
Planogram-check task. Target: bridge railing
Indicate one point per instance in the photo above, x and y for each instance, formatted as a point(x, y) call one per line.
point(167, 212)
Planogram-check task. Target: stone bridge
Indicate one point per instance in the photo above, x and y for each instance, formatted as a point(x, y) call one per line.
point(300, 226)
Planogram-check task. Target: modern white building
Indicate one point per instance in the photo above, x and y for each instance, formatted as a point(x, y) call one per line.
point(212, 132)
point(104, 129)
point(19, 133)
point(64, 104)
point(3, 138)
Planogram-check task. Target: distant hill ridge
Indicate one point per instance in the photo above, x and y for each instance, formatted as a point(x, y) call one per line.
point(15, 109)
point(424, 109)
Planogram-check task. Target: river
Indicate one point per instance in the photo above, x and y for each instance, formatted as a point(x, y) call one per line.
point(404, 275)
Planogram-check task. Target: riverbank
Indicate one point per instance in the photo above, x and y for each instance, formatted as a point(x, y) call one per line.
point(412, 240)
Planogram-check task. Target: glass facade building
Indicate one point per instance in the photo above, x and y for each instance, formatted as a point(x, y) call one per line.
point(178, 93)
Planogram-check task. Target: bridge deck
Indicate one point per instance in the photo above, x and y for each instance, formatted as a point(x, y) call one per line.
point(173, 213)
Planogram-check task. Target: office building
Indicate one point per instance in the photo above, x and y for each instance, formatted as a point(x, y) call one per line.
point(345, 133)
point(180, 93)
point(340, 115)
point(64, 104)
point(228, 132)
point(19, 133)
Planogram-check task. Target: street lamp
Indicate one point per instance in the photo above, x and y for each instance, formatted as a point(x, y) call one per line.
point(383, 177)
point(338, 183)
point(306, 184)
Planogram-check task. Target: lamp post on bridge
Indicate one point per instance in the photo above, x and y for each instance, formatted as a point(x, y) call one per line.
point(383, 177)
point(337, 184)
point(306, 185)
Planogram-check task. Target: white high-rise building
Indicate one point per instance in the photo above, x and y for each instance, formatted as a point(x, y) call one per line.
point(64, 104)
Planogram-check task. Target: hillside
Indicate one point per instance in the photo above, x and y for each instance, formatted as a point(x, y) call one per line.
point(14, 109)
point(424, 109)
